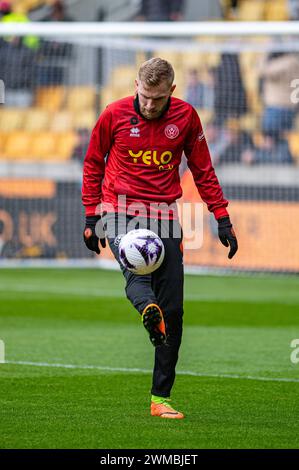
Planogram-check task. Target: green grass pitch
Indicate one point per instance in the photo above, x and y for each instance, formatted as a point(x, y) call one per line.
point(235, 383)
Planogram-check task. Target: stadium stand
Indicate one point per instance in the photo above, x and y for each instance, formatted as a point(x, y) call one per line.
point(47, 130)
point(65, 109)
point(11, 119)
point(85, 120)
point(43, 146)
point(50, 98)
point(252, 10)
point(256, 10)
point(62, 121)
point(17, 146)
point(36, 120)
point(80, 98)
point(276, 11)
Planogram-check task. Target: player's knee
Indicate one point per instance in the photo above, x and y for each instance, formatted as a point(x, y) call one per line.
point(138, 300)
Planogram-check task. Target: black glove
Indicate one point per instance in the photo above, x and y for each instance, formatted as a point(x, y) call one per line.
point(227, 235)
point(94, 232)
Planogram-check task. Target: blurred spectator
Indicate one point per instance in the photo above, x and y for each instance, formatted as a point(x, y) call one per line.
point(17, 59)
point(83, 136)
point(227, 144)
point(51, 72)
point(17, 65)
point(230, 96)
point(293, 6)
point(199, 94)
point(239, 142)
point(7, 15)
point(218, 140)
point(270, 150)
point(277, 73)
point(161, 10)
point(57, 12)
point(5, 9)
point(229, 9)
point(53, 61)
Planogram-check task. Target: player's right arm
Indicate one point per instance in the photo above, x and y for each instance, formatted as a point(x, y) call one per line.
point(93, 174)
point(200, 164)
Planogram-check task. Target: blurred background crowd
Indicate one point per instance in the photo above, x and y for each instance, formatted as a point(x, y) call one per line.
point(243, 98)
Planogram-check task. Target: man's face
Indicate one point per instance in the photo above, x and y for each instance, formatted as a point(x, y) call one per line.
point(153, 100)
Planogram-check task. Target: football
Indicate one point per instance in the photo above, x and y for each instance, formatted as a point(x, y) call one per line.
point(141, 251)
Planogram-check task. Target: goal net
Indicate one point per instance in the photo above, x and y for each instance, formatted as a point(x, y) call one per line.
point(242, 79)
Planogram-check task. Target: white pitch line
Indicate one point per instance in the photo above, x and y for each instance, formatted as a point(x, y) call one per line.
point(78, 366)
point(148, 371)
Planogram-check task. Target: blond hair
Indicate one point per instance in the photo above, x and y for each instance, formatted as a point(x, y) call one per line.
point(155, 71)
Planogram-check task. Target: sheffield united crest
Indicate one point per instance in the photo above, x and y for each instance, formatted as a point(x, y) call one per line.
point(171, 131)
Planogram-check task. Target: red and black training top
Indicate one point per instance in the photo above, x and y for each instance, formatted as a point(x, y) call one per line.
point(139, 158)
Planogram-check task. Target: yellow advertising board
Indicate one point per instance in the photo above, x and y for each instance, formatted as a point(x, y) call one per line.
point(267, 233)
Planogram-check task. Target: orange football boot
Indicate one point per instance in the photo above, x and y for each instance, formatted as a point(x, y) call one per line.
point(164, 410)
point(153, 321)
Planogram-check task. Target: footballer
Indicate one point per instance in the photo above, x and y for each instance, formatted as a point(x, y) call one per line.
point(133, 161)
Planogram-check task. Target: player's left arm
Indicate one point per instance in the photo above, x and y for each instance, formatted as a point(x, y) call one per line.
point(200, 164)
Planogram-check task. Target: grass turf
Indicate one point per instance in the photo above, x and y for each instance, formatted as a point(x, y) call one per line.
point(234, 327)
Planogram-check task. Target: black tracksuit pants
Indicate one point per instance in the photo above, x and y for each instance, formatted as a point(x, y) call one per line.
point(163, 287)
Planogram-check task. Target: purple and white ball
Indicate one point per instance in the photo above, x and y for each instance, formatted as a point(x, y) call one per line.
point(141, 251)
